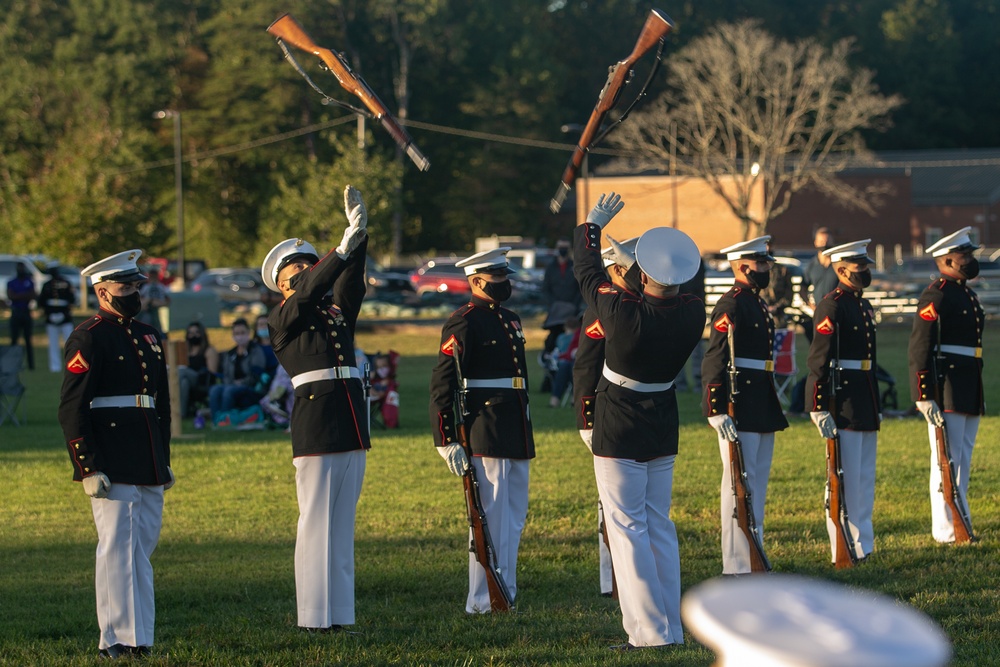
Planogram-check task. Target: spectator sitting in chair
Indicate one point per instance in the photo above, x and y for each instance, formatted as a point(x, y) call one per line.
point(242, 369)
point(277, 404)
point(565, 355)
point(197, 376)
point(384, 389)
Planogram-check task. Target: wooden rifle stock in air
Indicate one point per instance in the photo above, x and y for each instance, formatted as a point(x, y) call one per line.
point(288, 30)
point(737, 472)
point(482, 544)
point(657, 25)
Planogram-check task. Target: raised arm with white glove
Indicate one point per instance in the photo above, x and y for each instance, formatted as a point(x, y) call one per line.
point(607, 207)
point(724, 426)
point(623, 257)
point(931, 412)
point(455, 457)
point(357, 219)
point(97, 485)
point(825, 423)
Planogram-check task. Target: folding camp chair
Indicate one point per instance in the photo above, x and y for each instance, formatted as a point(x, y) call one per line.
point(784, 364)
point(11, 388)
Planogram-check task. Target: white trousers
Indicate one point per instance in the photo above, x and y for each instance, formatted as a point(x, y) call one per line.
point(636, 498)
point(128, 524)
point(961, 430)
point(758, 448)
point(503, 491)
point(58, 333)
point(857, 458)
point(328, 487)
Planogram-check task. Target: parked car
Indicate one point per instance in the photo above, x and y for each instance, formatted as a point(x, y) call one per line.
point(384, 283)
point(8, 271)
point(233, 286)
point(440, 275)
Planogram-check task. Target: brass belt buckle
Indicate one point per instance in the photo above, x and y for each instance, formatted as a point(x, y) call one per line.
point(517, 383)
point(979, 353)
point(866, 364)
point(769, 365)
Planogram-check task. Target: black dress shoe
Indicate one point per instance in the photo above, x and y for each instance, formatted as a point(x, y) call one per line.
point(114, 652)
point(140, 651)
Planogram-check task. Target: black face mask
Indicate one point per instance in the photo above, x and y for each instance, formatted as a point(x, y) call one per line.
point(970, 270)
point(758, 279)
point(296, 281)
point(863, 278)
point(499, 292)
point(563, 252)
point(128, 306)
point(633, 279)
point(194, 340)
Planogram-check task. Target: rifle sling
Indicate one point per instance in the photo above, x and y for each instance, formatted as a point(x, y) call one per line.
point(327, 100)
point(642, 93)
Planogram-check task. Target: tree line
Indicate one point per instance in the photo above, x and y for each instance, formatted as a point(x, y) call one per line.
point(86, 169)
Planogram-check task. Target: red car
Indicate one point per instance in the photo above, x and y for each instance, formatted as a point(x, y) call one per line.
point(440, 275)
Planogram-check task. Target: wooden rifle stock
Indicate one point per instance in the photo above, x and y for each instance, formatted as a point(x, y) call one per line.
point(846, 556)
point(288, 30)
point(744, 506)
point(482, 544)
point(949, 489)
point(657, 25)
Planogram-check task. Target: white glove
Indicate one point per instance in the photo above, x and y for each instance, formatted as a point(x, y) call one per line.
point(605, 209)
point(588, 438)
point(724, 426)
point(931, 412)
point(168, 485)
point(824, 422)
point(357, 218)
point(354, 206)
point(455, 457)
point(622, 256)
point(97, 485)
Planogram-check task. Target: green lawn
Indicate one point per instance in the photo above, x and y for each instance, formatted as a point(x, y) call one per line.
point(224, 571)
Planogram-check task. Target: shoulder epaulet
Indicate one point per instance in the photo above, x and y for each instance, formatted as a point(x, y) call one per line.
point(836, 294)
point(938, 284)
point(735, 290)
point(464, 310)
point(91, 323)
point(631, 298)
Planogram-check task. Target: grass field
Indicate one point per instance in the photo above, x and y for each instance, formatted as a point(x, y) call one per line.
point(224, 570)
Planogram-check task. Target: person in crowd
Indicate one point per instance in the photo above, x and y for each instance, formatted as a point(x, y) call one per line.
point(780, 292)
point(565, 354)
point(199, 373)
point(21, 291)
point(56, 300)
point(154, 296)
point(946, 369)
point(240, 370)
point(648, 339)
point(114, 409)
point(818, 277)
point(312, 332)
point(262, 336)
point(561, 293)
point(741, 339)
point(848, 405)
point(484, 343)
point(385, 389)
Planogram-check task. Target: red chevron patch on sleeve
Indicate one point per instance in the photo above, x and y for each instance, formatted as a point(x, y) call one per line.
point(448, 347)
point(607, 288)
point(595, 330)
point(825, 327)
point(929, 313)
point(723, 323)
point(78, 364)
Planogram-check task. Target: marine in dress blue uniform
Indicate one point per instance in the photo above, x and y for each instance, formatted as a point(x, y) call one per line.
point(648, 338)
point(114, 410)
point(949, 313)
point(845, 332)
point(623, 272)
point(56, 299)
point(487, 340)
point(758, 410)
point(312, 333)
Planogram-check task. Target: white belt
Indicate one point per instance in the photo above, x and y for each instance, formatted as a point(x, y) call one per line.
point(335, 373)
point(495, 383)
point(856, 364)
point(754, 364)
point(963, 350)
point(635, 385)
point(133, 401)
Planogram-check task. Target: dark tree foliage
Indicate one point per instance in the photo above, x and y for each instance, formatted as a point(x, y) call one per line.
point(84, 160)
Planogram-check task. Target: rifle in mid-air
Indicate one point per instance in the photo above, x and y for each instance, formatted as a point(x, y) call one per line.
point(620, 74)
point(836, 503)
point(287, 29)
point(744, 501)
point(960, 519)
point(482, 544)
